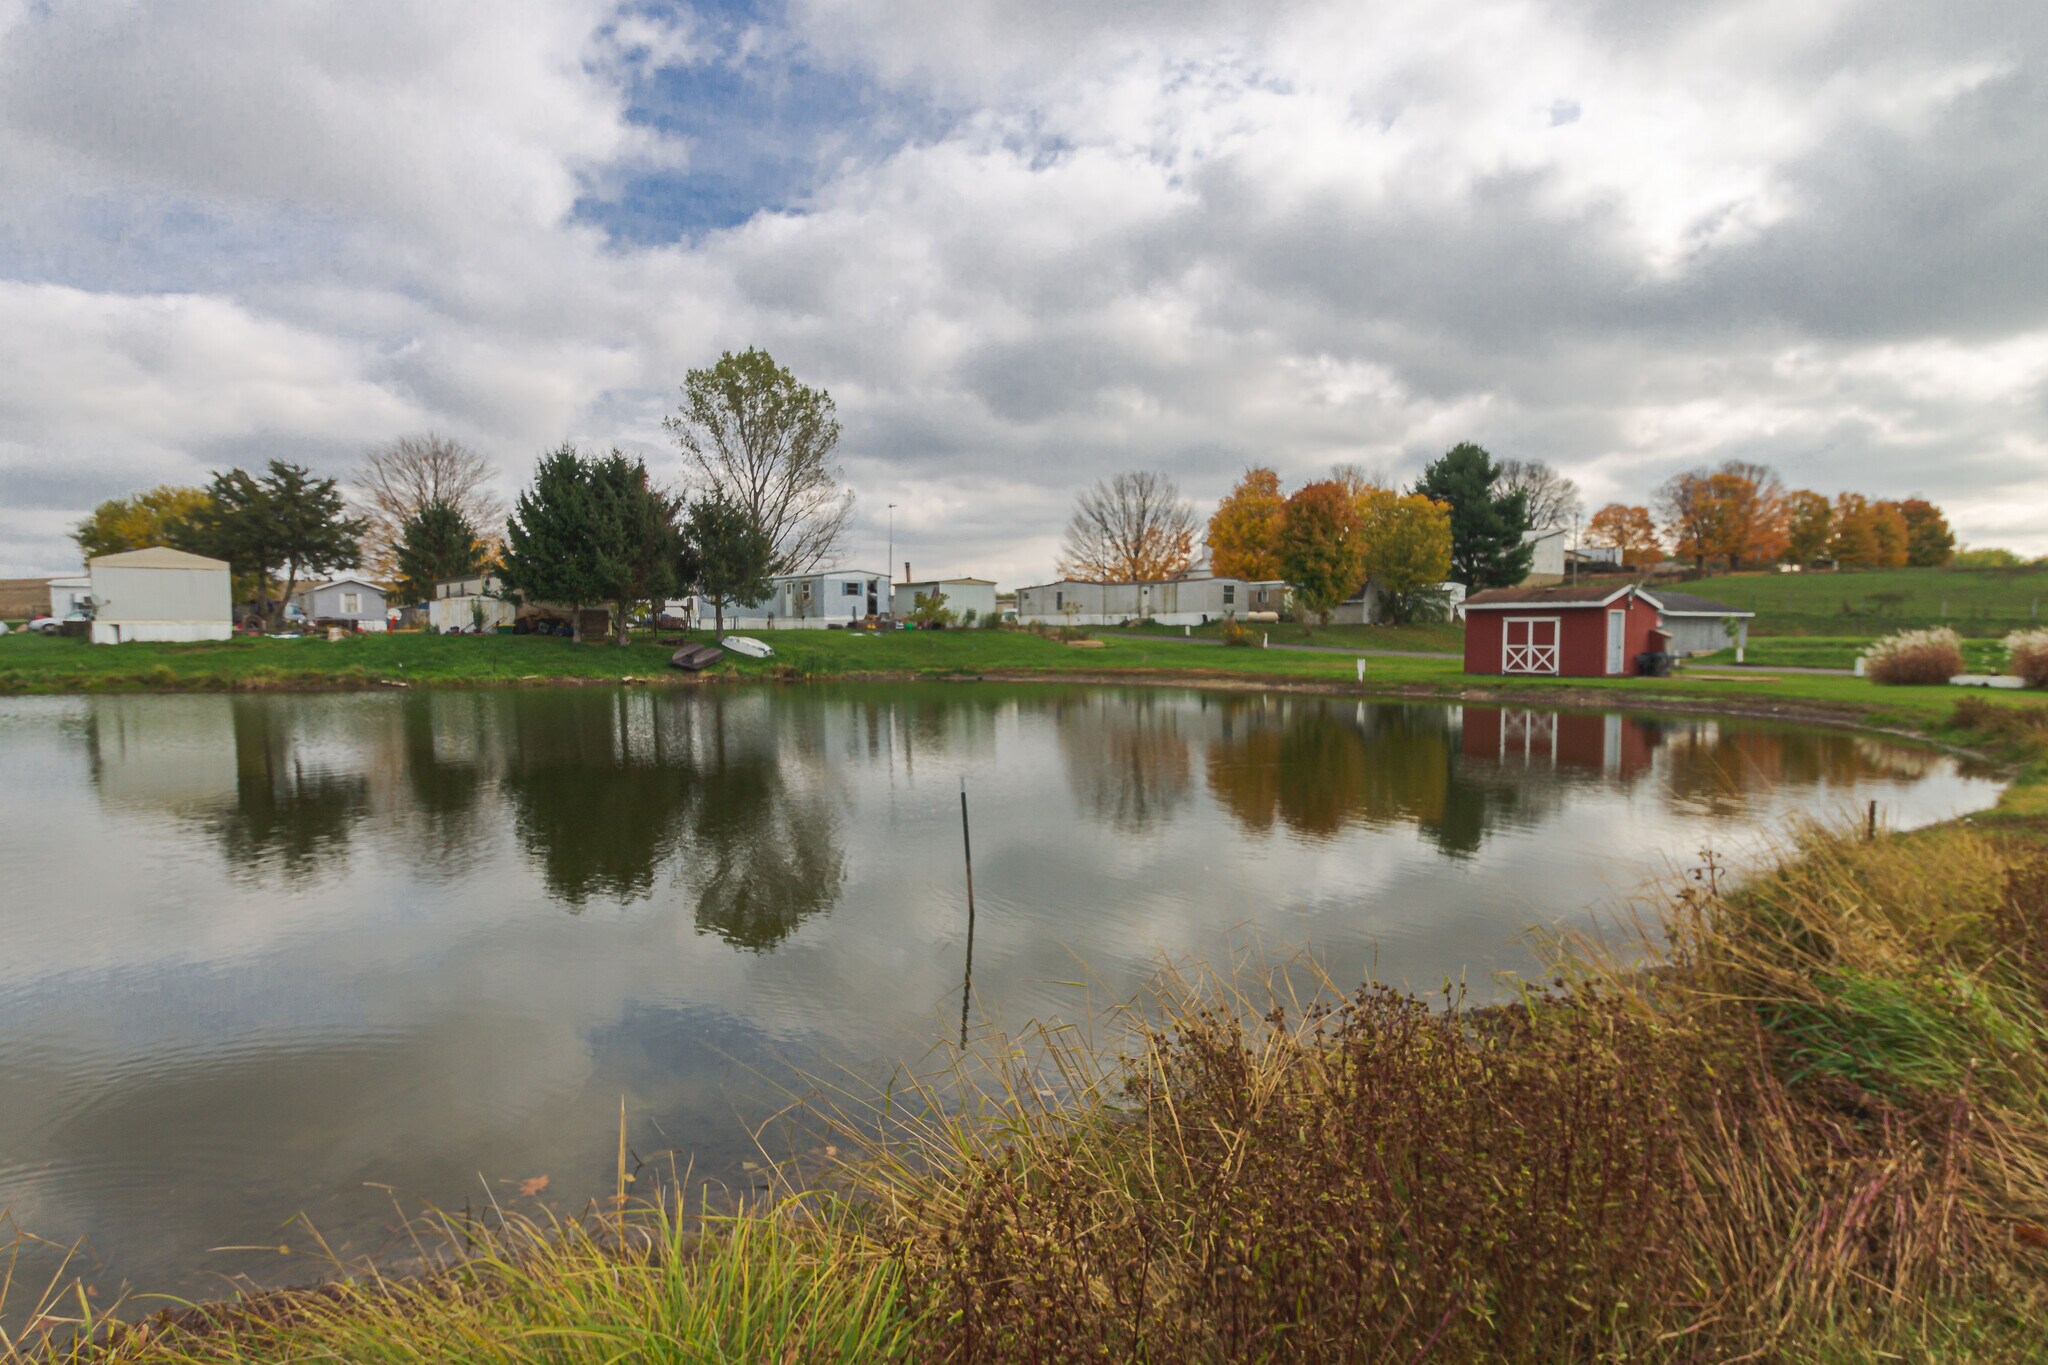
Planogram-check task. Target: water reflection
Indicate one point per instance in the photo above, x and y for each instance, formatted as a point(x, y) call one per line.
point(326, 940)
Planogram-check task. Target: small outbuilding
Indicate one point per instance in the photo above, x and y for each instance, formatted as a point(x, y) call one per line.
point(160, 594)
point(962, 595)
point(1569, 630)
point(1699, 625)
point(355, 602)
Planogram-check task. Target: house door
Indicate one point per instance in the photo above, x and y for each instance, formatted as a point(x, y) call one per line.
point(1617, 639)
point(1528, 644)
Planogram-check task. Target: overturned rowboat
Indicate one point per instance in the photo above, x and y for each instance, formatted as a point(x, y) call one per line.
point(695, 658)
point(752, 648)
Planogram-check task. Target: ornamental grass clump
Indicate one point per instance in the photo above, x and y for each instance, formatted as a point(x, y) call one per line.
point(2026, 656)
point(1915, 657)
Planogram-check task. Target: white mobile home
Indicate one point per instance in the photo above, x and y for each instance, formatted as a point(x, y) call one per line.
point(1173, 602)
point(476, 601)
point(160, 594)
point(68, 595)
point(963, 595)
point(812, 601)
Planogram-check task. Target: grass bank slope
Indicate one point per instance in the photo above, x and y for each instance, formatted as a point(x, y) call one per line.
point(1864, 604)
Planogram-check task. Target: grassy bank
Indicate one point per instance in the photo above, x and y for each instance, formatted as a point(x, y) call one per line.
point(1865, 604)
point(1815, 1130)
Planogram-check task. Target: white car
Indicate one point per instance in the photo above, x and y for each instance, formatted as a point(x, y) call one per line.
point(50, 625)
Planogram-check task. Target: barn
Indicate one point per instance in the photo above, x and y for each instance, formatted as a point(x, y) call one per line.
point(1568, 630)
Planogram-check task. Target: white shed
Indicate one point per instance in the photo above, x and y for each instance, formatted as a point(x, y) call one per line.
point(962, 595)
point(160, 594)
point(68, 595)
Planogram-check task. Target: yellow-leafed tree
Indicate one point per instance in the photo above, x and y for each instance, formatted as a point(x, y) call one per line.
point(1407, 550)
point(1244, 535)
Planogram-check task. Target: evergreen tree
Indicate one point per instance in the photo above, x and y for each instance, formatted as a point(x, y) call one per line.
point(434, 543)
point(285, 524)
point(550, 553)
point(733, 554)
point(635, 542)
point(1487, 550)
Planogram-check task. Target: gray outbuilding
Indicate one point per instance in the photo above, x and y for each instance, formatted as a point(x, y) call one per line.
point(1698, 625)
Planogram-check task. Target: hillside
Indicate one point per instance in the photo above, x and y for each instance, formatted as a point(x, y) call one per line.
point(1976, 602)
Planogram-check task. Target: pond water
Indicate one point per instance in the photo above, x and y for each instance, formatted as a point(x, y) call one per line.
point(260, 953)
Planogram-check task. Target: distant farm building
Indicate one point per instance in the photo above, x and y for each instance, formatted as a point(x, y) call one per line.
point(160, 594)
point(1699, 625)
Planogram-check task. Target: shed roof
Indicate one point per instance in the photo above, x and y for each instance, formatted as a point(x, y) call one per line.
point(158, 557)
point(1686, 604)
point(1556, 595)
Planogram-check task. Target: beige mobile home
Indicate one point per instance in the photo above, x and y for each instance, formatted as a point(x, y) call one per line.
point(160, 594)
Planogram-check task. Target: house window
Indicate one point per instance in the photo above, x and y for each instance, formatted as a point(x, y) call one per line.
point(1528, 644)
point(351, 603)
point(1059, 599)
point(849, 589)
point(1230, 594)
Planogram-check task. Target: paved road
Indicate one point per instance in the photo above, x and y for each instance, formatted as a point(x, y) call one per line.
point(1743, 670)
point(1303, 649)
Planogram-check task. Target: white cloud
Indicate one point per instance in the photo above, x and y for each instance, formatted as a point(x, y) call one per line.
point(1134, 235)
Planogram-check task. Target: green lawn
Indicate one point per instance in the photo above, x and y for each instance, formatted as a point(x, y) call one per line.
point(1840, 651)
point(1865, 604)
point(1444, 637)
point(30, 664)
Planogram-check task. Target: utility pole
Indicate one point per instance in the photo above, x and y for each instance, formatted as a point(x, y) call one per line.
point(889, 564)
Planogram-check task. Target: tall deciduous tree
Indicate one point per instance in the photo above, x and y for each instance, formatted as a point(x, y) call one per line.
point(549, 537)
point(436, 542)
point(159, 516)
point(1322, 547)
point(1244, 535)
point(1692, 515)
point(1809, 520)
point(1487, 550)
point(285, 525)
point(1553, 499)
point(1751, 519)
point(399, 480)
point(1407, 550)
point(1134, 528)
point(1628, 530)
point(758, 438)
point(733, 554)
point(1851, 543)
point(1888, 535)
point(1930, 543)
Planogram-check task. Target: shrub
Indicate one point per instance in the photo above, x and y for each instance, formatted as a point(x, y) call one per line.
point(1236, 633)
point(2026, 656)
point(1915, 656)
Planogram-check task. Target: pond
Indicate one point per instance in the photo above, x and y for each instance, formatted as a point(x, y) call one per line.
point(263, 953)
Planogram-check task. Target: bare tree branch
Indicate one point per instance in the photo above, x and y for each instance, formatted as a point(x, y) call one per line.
point(1553, 499)
point(398, 481)
point(1133, 528)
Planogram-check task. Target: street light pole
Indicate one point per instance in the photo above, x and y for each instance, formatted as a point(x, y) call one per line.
point(890, 567)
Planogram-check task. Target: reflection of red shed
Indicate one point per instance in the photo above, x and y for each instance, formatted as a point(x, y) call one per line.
point(1591, 630)
point(1604, 742)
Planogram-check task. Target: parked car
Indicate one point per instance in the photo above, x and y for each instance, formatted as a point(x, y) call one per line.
point(51, 625)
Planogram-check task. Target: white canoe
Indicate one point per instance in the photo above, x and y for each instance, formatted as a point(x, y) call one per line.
point(740, 644)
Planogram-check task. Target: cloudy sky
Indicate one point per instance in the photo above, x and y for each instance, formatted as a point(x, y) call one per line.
point(1027, 245)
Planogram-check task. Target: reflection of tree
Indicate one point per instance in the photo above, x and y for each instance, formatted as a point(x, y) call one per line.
point(1126, 757)
point(1721, 769)
point(764, 859)
point(1320, 767)
point(445, 791)
point(595, 794)
point(283, 812)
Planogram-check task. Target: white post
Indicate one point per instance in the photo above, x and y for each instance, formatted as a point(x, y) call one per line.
point(1187, 630)
point(1263, 638)
point(1361, 670)
point(1859, 665)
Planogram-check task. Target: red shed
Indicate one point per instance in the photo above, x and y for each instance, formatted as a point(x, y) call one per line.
point(1571, 630)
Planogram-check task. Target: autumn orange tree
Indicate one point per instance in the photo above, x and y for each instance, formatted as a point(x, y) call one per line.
point(1244, 535)
point(1752, 516)
point(1629, 530)
point(1134, 528)
point(1407, 549)
point(1322, 549)
point(1887, 535)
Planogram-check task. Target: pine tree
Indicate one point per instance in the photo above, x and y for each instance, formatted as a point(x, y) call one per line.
point(1487, 550)
point(733, 554)
point(434, 543)
point(635, 540)
point(550, 553)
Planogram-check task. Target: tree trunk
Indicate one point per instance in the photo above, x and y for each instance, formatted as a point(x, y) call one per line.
point(291, 580)
point(717, 616)
point(622, 625)
point(575, 623)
